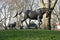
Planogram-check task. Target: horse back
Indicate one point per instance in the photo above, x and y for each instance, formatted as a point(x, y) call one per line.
point(32, 15)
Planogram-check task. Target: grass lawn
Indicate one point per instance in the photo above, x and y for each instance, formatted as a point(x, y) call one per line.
point(32, 34)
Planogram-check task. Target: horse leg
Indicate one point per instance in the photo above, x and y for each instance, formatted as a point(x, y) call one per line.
point(22, 23)
point(21, 27)
point(26, 23)
point(29, 21)
point(38, 21)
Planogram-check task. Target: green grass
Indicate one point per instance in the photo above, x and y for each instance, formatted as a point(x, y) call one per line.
point(32, 34)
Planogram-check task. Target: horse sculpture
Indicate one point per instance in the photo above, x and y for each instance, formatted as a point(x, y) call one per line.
point(35, 15)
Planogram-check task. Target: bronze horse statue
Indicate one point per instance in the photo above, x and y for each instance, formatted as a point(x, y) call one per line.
point(34, 14)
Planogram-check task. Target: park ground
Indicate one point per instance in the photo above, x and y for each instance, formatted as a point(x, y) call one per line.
point(29, 34)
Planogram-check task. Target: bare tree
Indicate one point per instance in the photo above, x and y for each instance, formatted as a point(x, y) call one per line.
point(49, 6)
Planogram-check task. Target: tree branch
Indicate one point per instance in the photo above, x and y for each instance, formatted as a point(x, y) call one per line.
point(42, 5)
point(53, 5)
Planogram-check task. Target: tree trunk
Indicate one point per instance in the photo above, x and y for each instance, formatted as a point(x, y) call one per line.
point(49, 17)
point(49, 22)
